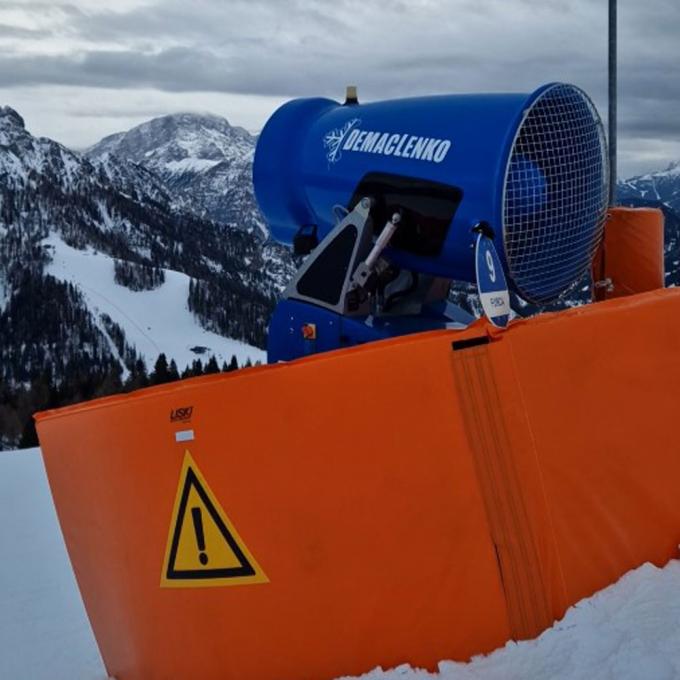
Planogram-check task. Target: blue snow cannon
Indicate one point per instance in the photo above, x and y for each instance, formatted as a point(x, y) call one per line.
point(393, 199)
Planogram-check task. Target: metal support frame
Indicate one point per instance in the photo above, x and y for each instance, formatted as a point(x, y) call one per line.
point(360, 219)
point(612, 99)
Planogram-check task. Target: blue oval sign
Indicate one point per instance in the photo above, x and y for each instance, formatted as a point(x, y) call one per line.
point(491, 284)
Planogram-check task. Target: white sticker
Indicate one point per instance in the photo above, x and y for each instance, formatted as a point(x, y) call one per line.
point(184, 436)
point(495, 304)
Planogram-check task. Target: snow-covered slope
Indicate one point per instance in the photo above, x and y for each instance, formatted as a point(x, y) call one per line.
point(203, 158)
point(154, 321)
point(628, 631)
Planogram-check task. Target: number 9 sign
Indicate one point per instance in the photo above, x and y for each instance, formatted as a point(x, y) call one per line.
point(491, 284)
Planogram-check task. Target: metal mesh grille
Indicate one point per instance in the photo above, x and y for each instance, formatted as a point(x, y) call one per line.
point(556, 195)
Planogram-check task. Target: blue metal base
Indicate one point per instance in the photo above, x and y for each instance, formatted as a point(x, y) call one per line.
point(299, 329)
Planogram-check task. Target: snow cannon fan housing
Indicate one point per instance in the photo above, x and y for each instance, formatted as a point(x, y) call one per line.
point(531, 168)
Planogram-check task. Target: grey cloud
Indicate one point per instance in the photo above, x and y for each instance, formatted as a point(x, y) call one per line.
point(174, 70)
point(208, 21)
point(38, 6)
point(8, 31)
point(181, 69)
point(645, 128)
point(293, 48)
point(131, 112)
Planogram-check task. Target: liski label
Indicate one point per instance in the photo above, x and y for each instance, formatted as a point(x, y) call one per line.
point(491, 284)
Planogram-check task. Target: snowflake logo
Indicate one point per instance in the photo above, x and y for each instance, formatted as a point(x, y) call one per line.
point(333, 140)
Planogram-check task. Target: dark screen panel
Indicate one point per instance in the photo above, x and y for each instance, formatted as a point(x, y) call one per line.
point(326, 275)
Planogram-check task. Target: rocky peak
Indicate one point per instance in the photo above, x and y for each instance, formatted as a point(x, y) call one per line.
point(203, 159)
point(163, 142)
point(9, 118)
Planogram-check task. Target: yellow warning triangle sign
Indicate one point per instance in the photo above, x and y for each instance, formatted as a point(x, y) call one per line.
point(204, 548)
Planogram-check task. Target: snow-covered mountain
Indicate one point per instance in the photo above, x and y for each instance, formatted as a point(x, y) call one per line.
point(203, 160)
point(100, 266)
point(659, 190)
point(662, 186)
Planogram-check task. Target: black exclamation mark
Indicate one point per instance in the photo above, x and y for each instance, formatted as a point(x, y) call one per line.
point(200, 537)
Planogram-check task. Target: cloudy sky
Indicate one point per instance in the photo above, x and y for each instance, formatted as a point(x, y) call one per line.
point(81, 69)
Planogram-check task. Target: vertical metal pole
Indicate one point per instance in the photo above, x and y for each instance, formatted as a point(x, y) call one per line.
point(612, 101)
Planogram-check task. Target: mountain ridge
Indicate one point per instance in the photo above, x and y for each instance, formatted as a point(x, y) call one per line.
point(202, 158)
point(662, 186)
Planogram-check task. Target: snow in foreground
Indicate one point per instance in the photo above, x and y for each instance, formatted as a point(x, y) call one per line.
point(628, 631)
point(44, 632)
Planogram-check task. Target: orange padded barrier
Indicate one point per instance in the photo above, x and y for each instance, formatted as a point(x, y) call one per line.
point(407, 501)
point(631, 255)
